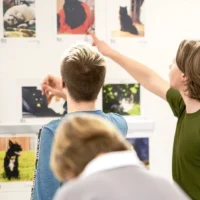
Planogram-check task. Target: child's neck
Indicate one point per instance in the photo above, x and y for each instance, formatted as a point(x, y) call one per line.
point(192, 105)
point(73, 106)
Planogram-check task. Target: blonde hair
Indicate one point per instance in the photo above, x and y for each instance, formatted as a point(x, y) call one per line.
point(79, 139)
point(83, 71)
point(188, 61)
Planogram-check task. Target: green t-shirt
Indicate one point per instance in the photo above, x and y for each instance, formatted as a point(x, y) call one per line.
point(186, 150)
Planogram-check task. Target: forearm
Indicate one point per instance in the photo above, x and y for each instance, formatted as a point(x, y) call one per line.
point(141, 73)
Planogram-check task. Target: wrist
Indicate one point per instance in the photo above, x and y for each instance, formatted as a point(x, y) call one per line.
point(113, 54)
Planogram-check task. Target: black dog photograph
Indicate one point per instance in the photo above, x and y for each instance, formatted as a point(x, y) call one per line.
point(126, 18)
point(17, 158)
point(34, 104)
point(123, 99)
point(19, 18)
point(75, 16)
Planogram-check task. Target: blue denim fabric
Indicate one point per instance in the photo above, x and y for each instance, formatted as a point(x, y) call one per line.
point(45, 183)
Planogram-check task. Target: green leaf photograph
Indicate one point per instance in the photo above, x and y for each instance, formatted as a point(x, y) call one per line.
point(123, 99)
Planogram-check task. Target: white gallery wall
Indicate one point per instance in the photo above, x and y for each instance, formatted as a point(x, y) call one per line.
point(167, 22)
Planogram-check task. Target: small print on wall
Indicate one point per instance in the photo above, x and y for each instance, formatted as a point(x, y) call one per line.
point(141, 146)
point(34, 104)
point(17, 158)
point(125, 18)
point(75, 16)
point(19, 18)
point(123, 99)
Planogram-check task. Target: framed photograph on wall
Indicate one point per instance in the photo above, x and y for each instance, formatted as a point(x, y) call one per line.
point(36, 105)
point(122, 98)
point(141, 146)
point(17, 157)
point(74, 18)
point(19, 18)
point(19, 21)
point(125, 20)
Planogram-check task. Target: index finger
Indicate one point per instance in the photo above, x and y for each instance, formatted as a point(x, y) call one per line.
point(46, 81)
point(95, 38)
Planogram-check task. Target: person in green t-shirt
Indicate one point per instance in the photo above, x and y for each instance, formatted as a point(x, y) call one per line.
point(183, 96)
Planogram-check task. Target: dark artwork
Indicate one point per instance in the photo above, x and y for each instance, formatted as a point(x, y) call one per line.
point(136, 7)
point(11, 160)
point(74, 12)
point(141, 146)
point(34, 104)
point(123, 99)
point(19, 18)
point(126, 21)
point(75, 17)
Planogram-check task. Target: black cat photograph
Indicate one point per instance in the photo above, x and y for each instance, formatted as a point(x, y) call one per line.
point(11, 160)
point(123, 99)
point(19, 18)
point(75, 16)
point(17, 158)
point(126, 18)
point(34, 104)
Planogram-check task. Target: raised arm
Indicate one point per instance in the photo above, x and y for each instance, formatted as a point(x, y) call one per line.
point(144, 75)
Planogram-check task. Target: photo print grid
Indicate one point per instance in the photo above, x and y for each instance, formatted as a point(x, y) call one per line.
point(75, 16)
point(125, 19)
point(123, 99)
point(34, 104)
point(19, 18)
point(17, 157)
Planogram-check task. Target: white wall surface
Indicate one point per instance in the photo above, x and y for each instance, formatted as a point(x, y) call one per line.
point(167, 23)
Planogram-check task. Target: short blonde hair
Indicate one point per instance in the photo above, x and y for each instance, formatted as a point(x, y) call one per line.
point(188, 61)
point(79, 139)
point(83, 71)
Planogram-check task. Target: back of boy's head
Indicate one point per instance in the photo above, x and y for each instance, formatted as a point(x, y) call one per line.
point(188, 61)
point(83, 71)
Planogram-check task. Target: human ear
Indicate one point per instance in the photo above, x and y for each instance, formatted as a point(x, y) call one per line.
point(183, 77)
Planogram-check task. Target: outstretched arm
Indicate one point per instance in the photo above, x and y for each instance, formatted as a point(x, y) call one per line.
point(144, 75)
